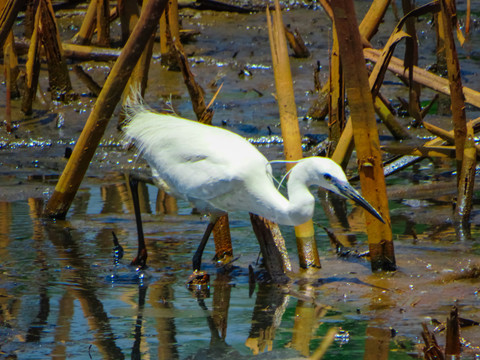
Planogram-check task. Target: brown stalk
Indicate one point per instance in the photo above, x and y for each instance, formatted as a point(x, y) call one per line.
point(83, 52)
point(447, 136)
point(468, 18)
point(292, 148)
point(345, 145)
point(129, 13)
point(8, 79)
point(377, 343)
point(389, 119)
point(455, 80)
point(296, 43)
point(8, 14)
point(139, 77)
point(367, 28)
point(423, 150)
point(423, 77)
point(373, 18)
point(431, 349)
point(365, 135)
point(164, 37)
point(103, 22)
point(466, 184)
point(85, 34)
point(32, 68)
point(82, 154)
point(87, 80)
point(197, 94)
point(452, 346)
point(402, 163)
point(12, 69)
point(336, 106)
point(411, 58)
point(58, 75)
point(165, 203)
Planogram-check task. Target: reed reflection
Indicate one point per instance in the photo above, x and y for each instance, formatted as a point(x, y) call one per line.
point(84, 289)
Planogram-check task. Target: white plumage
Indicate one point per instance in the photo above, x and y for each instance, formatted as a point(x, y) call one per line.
point(219, 171)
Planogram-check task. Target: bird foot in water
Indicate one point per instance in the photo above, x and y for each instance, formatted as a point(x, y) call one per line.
point(199, 283)
point(140, 260)
point(223, 259)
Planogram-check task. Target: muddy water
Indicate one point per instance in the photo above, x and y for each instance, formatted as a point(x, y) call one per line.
point(63, 295)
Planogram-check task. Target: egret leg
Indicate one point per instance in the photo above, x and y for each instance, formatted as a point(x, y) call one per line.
point(141, 258)
point(197, 257)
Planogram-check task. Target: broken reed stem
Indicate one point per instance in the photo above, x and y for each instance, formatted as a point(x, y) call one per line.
point(10, 50)
point(389, 119)
point(448, 14)
point(103, 22)
point(8, 14)
point(129, 13)
point(431, 350)
point(468, 18)
point(11, 73)
point(32, 68)
point(7, 56)
point(336, 103)
point(223, 240)
point(87, 80)
point(422, 76)
point(272, 246)
point(365, 135)
point(373, 18)
point(466, 184)
point(452, 345)
point(195, 91)
point(82, 154)
point(58, 75)
point(139, 77)
point(292, 147)
point(448, 136)
point(296, 43)
point(173, 20)
point(85, 34)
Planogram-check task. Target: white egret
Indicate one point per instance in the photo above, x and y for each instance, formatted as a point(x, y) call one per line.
point(219, 171)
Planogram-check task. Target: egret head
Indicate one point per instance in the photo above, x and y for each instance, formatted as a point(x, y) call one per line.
point(334, 179)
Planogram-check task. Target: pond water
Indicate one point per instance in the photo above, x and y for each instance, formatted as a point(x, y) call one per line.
point(64, 296)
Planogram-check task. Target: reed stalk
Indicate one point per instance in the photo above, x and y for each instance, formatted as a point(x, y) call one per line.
point(72, 175)
point(365, 135)
point(292, 147)
point(8, 14)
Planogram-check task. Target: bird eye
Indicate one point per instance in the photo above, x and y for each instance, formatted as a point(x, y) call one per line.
point(327, 177)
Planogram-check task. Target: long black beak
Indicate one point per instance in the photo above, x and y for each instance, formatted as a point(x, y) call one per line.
point(349, 192)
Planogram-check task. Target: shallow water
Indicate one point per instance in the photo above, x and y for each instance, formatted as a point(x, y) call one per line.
point(63, 296)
